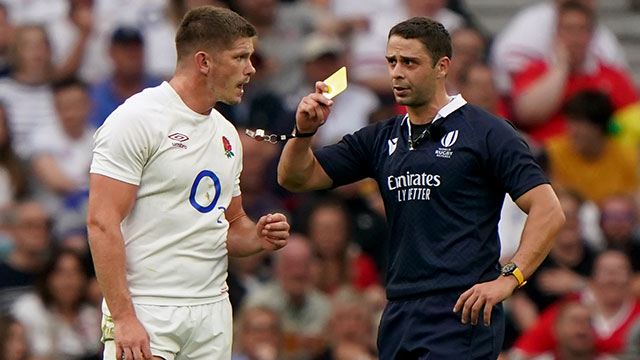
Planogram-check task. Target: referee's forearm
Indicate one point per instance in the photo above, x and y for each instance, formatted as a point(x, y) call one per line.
point(544, 221)
point(295, 168)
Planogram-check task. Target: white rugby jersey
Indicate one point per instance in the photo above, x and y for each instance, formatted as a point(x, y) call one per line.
point(187, 166)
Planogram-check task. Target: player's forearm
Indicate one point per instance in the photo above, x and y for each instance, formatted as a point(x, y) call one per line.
point(242, 239)
point(543, 223)
point(542, 99)
point(296, 165)
point(107, 250)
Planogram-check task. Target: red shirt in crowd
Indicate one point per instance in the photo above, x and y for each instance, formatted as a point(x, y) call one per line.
point(541, 337)
point(609, 80)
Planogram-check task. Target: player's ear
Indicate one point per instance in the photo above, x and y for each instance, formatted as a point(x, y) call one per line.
point(442, 66)
point(203, 62)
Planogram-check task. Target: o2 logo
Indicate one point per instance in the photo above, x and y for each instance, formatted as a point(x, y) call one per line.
point(194, 190)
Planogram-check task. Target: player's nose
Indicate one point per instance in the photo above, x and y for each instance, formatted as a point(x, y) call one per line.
point(250, 70)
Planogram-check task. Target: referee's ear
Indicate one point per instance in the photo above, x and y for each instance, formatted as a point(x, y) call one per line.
point(442, 66)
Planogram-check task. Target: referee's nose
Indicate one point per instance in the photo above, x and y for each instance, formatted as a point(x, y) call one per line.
point(396, 72)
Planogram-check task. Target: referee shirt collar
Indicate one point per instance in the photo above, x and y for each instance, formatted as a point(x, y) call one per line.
point(455, 103)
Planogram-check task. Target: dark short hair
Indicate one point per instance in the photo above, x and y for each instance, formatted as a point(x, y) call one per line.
point(431, 33)
point(68, 82)
point(592, 106)
point(574, 5)
point(209, 27)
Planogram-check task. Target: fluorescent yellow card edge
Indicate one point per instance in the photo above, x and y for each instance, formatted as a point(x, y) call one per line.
point(337, 83)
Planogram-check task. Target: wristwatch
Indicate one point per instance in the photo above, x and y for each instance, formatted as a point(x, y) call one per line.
point(511, 268)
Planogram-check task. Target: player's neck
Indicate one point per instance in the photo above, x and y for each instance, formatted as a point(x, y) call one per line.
point(193, 93)
point(424, 114)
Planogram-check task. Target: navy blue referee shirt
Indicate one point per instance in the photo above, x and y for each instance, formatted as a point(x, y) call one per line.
point(443, 198)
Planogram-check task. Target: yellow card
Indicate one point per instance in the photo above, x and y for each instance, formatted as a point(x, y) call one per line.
point(337, 83)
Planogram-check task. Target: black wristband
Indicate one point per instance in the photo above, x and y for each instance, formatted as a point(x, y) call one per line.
point(297, 133)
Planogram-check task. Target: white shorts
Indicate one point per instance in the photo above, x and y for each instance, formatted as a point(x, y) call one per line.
point(180, 332)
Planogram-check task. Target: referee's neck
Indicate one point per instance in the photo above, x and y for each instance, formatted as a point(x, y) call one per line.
point(424, 114)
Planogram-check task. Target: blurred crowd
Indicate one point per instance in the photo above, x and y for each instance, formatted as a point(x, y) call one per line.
point(554, 70)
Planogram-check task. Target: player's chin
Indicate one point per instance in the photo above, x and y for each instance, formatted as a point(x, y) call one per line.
point(233, 100)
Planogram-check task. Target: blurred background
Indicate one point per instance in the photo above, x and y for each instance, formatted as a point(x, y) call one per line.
point(565, 72)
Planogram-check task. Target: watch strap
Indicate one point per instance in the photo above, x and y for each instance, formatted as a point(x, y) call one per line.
point(519, 276)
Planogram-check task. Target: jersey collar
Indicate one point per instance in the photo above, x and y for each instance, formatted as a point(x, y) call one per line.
point(455, 103)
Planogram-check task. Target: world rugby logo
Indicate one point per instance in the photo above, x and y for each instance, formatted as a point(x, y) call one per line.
point(449, 139)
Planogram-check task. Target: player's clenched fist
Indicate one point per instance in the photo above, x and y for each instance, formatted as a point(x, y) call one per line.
point(273, 231)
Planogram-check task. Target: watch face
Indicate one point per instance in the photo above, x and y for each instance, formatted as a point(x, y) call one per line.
point(508, 268)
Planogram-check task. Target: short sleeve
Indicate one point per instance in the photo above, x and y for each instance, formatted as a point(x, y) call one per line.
point(122, 146)
point(351, 158)
point(511, 161)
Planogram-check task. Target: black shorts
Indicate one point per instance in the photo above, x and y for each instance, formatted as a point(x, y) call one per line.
point(427, 328)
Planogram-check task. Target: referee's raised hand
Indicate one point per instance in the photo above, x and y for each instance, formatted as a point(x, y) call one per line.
point(313, 110)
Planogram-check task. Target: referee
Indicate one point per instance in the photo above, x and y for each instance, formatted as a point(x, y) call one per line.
point(443, 170)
